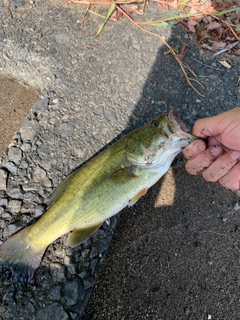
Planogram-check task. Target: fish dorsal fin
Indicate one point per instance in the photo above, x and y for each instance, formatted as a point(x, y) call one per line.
point(59, 190)
point(80, 235)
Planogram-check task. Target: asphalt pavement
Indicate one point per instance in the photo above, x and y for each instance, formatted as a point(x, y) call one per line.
point(173, 255)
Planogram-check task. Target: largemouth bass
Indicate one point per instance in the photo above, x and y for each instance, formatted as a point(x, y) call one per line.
point(114, 179)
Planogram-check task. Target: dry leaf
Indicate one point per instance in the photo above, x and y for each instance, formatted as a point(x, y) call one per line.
point(174, 4)
point(217, 45)
point(220, 5)
point(191, 24)
point(205, 8)
point(182, 52)
point(213, 25)
point(203, 35)
point(135, 9)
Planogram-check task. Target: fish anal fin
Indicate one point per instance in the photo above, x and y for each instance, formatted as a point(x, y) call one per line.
point(80, 235)
point(137, 196)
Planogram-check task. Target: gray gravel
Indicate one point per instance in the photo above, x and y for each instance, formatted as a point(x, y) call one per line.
point(92, 91)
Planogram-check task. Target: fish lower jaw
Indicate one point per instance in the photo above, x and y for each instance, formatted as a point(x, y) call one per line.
point(180, 144)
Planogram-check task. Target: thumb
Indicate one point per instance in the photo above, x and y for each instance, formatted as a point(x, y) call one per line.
point(207, 127)
point(216, 125)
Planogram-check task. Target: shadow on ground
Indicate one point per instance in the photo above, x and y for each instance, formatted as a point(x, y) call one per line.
point(175, 254)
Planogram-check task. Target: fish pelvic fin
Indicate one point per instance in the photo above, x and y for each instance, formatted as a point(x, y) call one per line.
point(80, 235)
point(20, 256)
point(137, 196)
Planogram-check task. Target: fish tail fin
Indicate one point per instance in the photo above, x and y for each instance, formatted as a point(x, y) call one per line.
point(22, 257)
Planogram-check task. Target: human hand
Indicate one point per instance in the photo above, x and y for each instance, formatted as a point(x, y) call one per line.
point(217, 159)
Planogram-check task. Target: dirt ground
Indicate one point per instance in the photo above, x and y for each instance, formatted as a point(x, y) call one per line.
point(16, 101)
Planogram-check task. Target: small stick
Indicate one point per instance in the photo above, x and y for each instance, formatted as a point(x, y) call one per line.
point(229, 26)
point(105, 2)
point(169, 47)
point(206, 65)
point(228, 47)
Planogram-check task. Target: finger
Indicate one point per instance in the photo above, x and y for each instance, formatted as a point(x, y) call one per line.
point(212, 141)
point(194, 149)
point(221, 166)
point(203, 160)
point(232, 179)
point(213, 126)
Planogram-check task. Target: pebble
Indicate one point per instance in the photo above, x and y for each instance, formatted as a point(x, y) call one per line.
point(15, 206)
point(156, 290)
point(24, 164)
point(5, 215)
point(41, 105)
point(30, 307)
point(30, 186)
point(99, 111)
point(26, 146)
point(29, 196)
point(3, 202)
point(53, 311)
point(10, 229)
point(66, 129)
point(62, 38)
point(43, 151)
point(236, 206)
point(40, 175)
point(73, 291)
point(15, 192)
point(29, 130)
point(111, 115)
point(39, 210)
point(55, 293)
point(17, 3)
point(11, 167)
point(57, 272)
point(3, 180)
point(88, 283)
point(15, 155)
point(2, 36)
point(72, 268)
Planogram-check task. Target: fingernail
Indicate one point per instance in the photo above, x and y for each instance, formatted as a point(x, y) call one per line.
point(198, 146)
point(216, 151)
point(235, 155)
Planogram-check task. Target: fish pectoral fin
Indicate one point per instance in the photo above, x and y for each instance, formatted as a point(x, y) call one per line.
point(141, 193)
point(125, 174)
point(80, 235)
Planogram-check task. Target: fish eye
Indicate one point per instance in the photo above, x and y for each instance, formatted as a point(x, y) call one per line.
point(154, 124)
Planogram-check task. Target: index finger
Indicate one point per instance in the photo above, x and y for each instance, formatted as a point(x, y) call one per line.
point(193, 149)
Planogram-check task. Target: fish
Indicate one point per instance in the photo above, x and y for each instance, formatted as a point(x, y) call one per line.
point(117, 177)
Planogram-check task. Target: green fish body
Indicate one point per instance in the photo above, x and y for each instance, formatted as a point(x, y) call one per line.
point(114, 179)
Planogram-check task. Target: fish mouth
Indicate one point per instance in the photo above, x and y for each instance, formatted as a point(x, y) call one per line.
point(173, 115)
